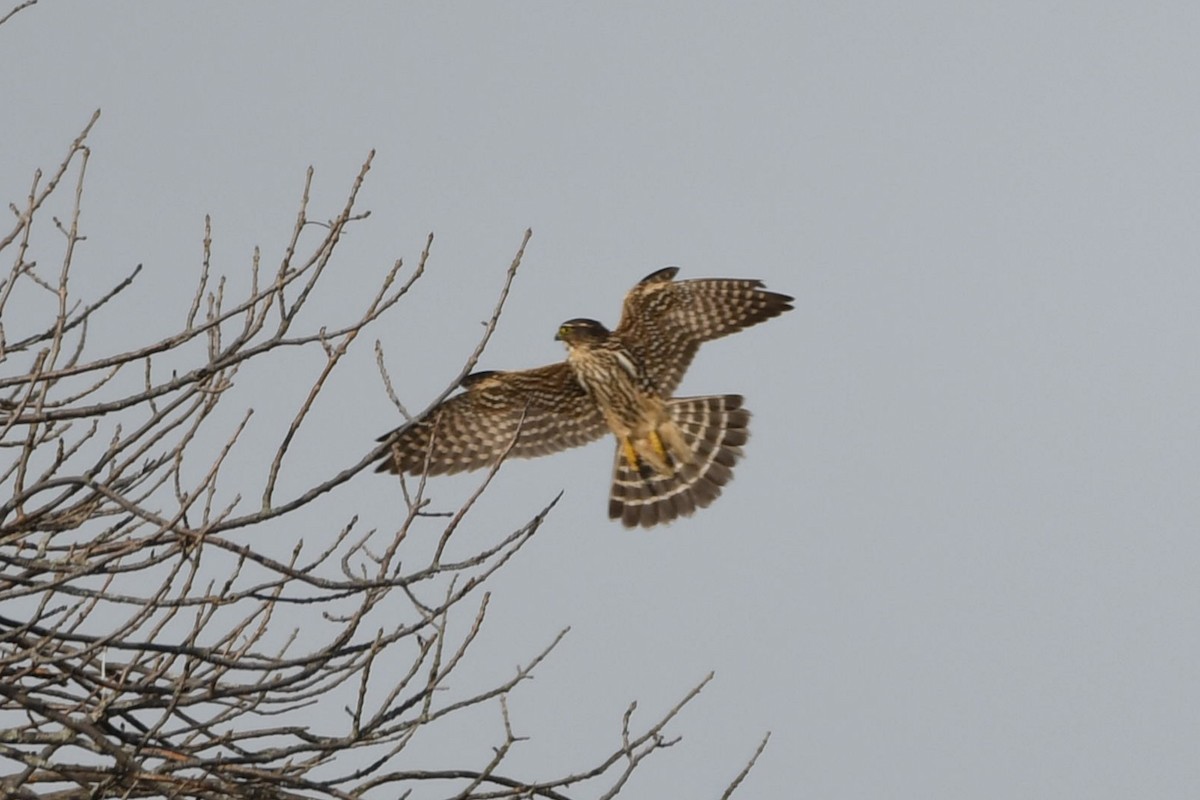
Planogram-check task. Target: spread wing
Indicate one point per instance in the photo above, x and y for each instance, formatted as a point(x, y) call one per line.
point(470, 430)
point(665, 321)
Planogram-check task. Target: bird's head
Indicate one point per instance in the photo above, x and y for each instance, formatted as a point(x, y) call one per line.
point(581, 331)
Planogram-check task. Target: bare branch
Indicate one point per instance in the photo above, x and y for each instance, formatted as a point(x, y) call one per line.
point(16, 8)
point(741, 776)
point(147, 644)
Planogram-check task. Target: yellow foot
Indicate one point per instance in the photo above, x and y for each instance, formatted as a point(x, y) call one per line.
point(630, 453)
point(660, 449)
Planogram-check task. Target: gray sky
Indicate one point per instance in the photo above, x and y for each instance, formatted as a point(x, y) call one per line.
point(960, 558)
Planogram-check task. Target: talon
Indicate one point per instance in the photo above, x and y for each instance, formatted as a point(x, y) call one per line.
point(630, 454)
point(659, 448)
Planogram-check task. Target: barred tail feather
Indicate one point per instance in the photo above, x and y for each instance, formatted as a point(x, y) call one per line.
point(714, 430)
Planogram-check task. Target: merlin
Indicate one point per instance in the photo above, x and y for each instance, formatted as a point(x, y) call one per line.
point(674, 454)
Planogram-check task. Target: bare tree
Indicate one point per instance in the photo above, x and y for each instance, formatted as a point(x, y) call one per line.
point(146, 649)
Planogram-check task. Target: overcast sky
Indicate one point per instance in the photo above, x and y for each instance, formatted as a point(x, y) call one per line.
point(960, 557)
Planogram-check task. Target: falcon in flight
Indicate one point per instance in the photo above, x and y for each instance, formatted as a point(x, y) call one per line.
point(673, 453)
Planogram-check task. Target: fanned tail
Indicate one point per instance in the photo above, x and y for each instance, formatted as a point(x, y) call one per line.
point(713, 430)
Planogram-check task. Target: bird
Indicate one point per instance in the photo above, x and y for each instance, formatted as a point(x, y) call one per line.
point(673, 455)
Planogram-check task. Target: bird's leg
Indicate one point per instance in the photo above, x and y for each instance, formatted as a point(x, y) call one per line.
point(630, 453)
point(676, 445)
point(660, 450)
point(651, 452)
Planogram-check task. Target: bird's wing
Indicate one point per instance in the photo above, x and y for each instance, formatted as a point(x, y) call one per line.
point(544, 409)
point(665, 321)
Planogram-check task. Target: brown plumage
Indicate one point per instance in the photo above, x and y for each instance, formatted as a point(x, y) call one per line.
point(673, 454)
point(714, 429)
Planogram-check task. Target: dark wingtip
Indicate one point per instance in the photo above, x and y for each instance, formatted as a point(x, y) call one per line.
point(388, 462)
point(476, 377)
point(660, 276)
point(778, 300)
